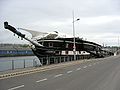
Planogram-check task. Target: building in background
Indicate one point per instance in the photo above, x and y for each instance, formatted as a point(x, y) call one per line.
point(15, 50)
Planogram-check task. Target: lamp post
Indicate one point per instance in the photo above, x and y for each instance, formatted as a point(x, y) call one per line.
point(74, 46)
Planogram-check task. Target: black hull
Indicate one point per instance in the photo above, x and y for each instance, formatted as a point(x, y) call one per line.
point(50, 52)
point(52, 46)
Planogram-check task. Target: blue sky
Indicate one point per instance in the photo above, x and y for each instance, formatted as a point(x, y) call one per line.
point(99, 19)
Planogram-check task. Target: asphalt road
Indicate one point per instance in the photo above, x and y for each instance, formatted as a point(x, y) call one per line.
point(98, 74)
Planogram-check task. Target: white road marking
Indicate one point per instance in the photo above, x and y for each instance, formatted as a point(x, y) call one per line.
point(16, 87)
point(42, 80)
point(69, 71)
point(85, 67)
point(78, 69)
point(89, 65)
point(58, 75)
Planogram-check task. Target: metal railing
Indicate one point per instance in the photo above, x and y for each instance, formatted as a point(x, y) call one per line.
point(17, 64)
point(60, 59)
point(35, 62)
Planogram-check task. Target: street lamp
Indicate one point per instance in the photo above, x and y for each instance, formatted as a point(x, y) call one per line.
point(74, 47)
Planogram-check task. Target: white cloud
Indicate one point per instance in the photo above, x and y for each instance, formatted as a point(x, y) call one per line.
point(99, 18)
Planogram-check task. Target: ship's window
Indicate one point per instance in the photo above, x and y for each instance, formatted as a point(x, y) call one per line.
point(41, 43)
point(67, 45)
point(7, 51)
point(10, 51)
point(50, 44)
point(57, 52)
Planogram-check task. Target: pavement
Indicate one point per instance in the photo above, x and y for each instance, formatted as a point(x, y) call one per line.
point(29, 70)
point(93, 74)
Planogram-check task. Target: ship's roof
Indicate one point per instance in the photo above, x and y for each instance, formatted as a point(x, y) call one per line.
point(77, 39)
point(55, 36)
point(45, 35)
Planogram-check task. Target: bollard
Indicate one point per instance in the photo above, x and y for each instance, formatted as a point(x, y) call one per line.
point(60, 59)
point(64, 58)
point(54, 60)
point(47, 60)
point(57, 59)
point(33, 63)
point(12, 64)
point(24, 63)
point(68, 59)
point(71, 58)
point(76, 57)
point(42, 61)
